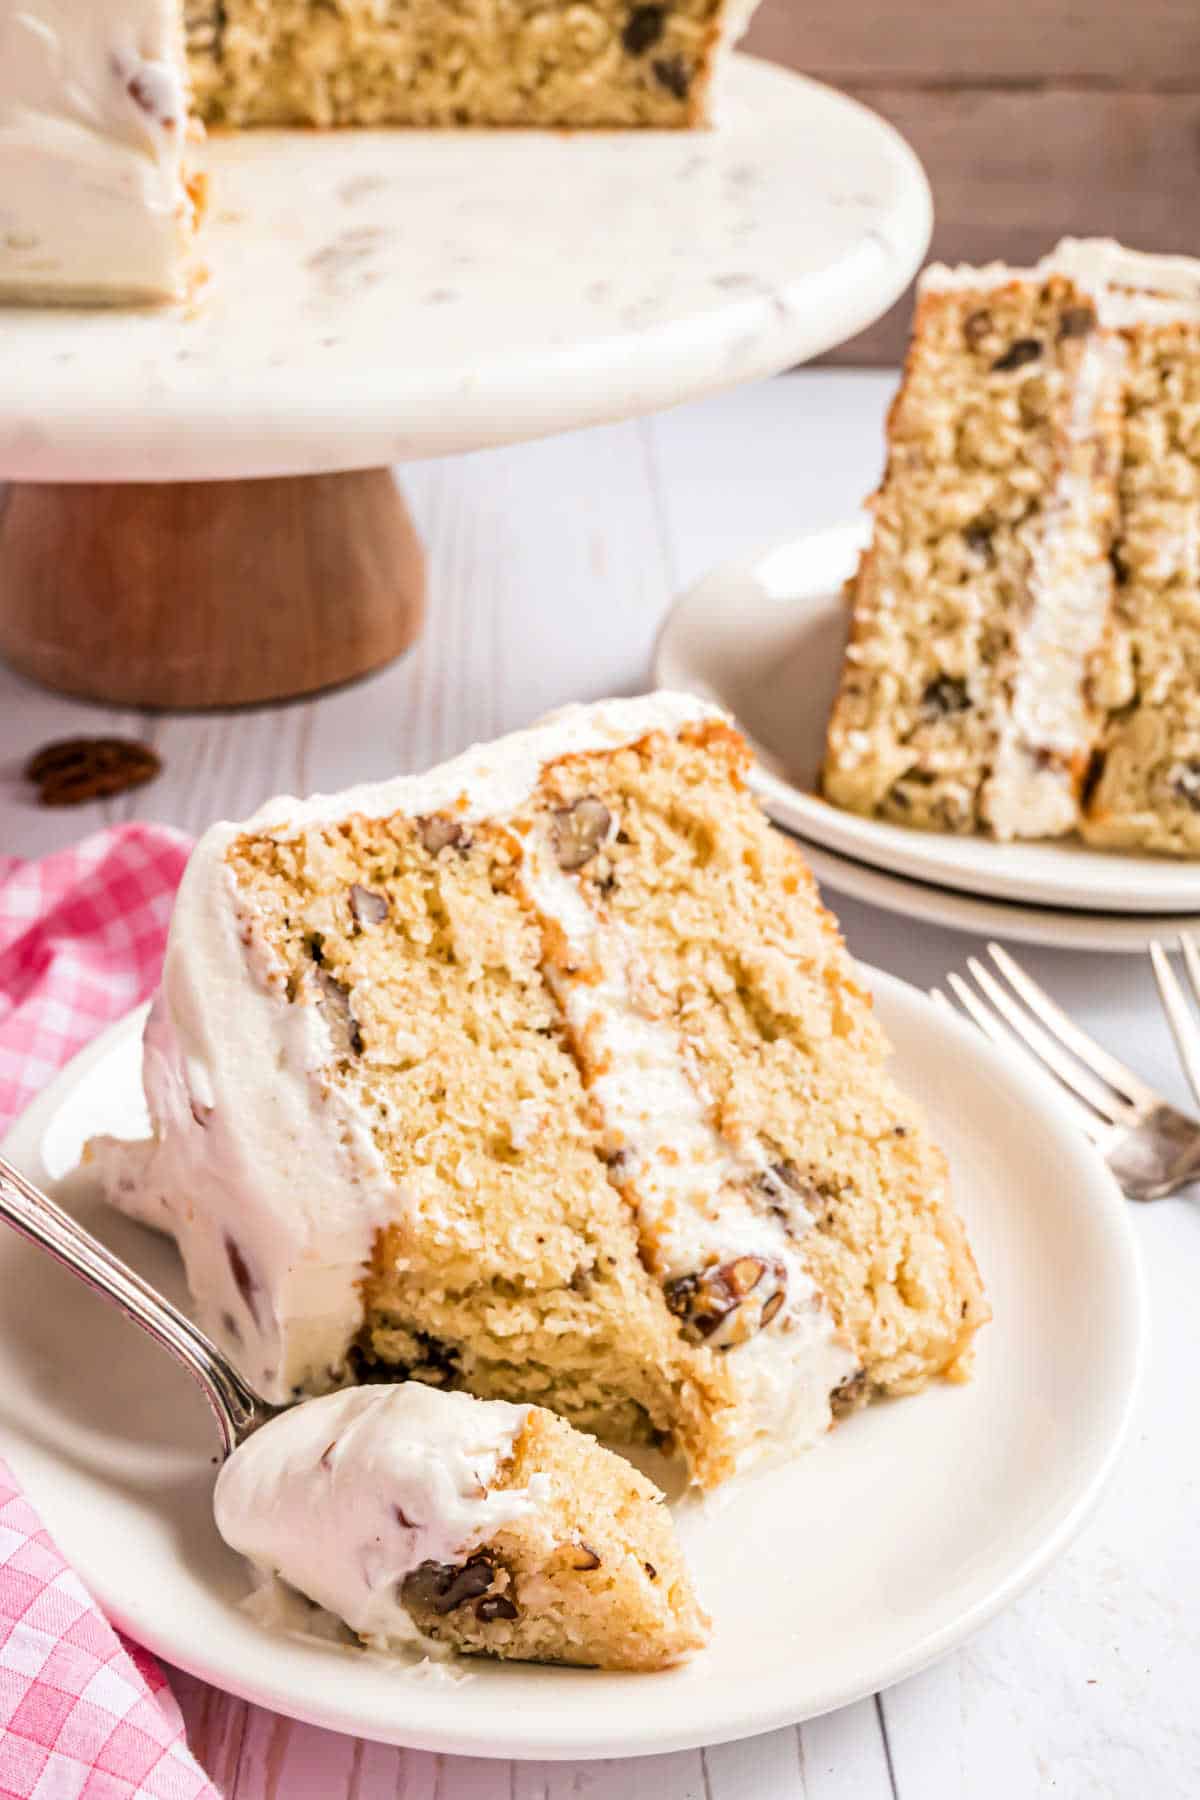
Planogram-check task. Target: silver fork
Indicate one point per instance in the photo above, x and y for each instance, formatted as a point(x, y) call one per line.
point(238, 1409)
point(1151, 1147)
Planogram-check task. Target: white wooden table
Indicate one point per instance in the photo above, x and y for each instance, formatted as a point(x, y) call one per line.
point(551, 566)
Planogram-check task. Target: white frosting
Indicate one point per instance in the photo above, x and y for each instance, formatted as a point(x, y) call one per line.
point(692, 1187)
point(1132, 286)
point(343, 1497)
point(93, 135)
point(1070, 585)
point(267, 1176)
point(1128, 286)
point(253, 1147)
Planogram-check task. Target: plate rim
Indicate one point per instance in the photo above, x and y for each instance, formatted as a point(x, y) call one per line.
point(948, 909)
point(551, 1742)
point(916, 856)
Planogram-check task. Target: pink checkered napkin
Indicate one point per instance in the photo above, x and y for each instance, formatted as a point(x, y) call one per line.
point(83, 1714)
point(81, 942)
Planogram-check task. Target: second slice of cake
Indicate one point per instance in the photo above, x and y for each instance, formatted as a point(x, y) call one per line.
point(545, 1075)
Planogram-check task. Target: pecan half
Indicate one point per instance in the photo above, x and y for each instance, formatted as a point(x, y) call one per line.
point(445, 1586)
point(1077, 321)
point(706, 1300)
point(494, 1606)
point(849, 1394)
point(368, 908)
point(1185, 784)
point(439, 832)
point(74, 770)
point(333, 998)
point(578, 831)
point(643, 29)
point(1022, 351)
point(783, 1184)
point(673, 73)
point(944, 695)
point(976, 327)
point(978, 539)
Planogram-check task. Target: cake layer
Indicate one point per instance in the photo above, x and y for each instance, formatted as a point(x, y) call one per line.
point(1023, 656)
point(545, 1076)
point(429, 1522)
point(95, 202)
point(476, 62)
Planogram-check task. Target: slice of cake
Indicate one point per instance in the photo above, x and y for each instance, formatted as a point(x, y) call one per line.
point(102, 102)
point(1023, 658)
point(545, 1075)
point(98, 199)
point(436, 1522)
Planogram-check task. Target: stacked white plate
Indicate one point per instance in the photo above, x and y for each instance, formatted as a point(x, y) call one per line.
point(763, 637)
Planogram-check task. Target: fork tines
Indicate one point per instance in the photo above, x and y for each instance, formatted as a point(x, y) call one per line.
point(1180, 1017)
point(1103, 1092)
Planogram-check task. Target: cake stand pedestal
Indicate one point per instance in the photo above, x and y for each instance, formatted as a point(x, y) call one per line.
point(203, 512)
point(208, 593)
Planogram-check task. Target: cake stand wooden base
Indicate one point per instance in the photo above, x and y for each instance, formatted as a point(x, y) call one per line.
point(208, 593)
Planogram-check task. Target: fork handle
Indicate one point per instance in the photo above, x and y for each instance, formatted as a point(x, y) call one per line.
point(237, 1408)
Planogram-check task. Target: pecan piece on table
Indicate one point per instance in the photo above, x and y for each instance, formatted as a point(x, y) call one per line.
point(74, 770)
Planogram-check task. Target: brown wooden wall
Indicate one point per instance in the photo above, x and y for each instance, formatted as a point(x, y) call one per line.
point(1033, 118)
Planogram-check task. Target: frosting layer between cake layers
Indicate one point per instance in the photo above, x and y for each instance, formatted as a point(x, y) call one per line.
point(691, 1186)
point(267, 1171)
point(94, 204)
point(345, 1496)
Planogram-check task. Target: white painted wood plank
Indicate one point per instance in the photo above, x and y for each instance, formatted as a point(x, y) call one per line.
point(843, 1756)
point(216, 1727)
point(761, 1768)
point(547, 581)
point(769, 461)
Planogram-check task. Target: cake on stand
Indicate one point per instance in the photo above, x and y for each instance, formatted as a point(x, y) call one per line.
point(202, 510)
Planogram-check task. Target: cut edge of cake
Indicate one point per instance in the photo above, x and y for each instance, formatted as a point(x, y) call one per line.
point(620, 64)
point(648, 1032)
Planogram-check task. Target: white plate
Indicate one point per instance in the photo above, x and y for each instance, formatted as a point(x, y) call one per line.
point(764, 638)
point(378, 296)
point(1131, 933)
point(857, 1564)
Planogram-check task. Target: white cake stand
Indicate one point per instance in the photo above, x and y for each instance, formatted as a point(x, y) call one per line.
point(205, 513)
